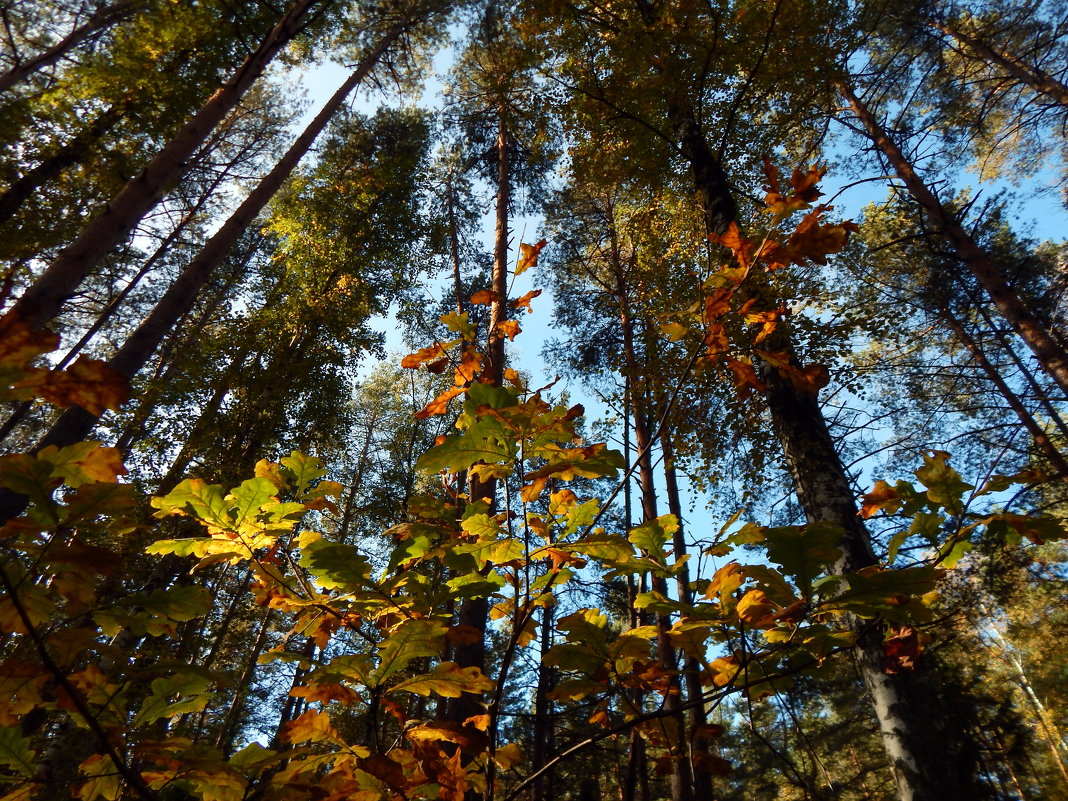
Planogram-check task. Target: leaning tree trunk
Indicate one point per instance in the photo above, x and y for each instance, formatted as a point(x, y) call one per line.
point(1030, 75)
point(97, 23)
point(928, 762)
point(75, 151)
point(43, 299)
point(1049, 352)
point(1041, 439)
point(76, 423)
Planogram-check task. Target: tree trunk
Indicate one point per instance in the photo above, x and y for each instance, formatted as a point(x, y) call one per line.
point(98, 22)
point(681, 775)
point(43, 300)
point(67, 155)
point(76, 423)
point(1041, 439)
point(702, 779)
point(474, 612)
point(1028, 74)
point(1041, 392)
point(928, 761)
point(1049, 352)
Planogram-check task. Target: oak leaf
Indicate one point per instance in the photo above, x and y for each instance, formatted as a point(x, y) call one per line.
point(882, 497)
point(528, 256)
point(510, 328)
point(312, 726)
point(441, 403)
point(433, 352)
point(524, 302)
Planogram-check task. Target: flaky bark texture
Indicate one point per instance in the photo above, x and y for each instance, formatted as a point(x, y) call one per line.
point(1049, 352)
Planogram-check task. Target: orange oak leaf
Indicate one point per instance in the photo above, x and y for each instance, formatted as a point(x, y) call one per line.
point(312, 726)
point(716, 341)
point(413, 360)
point(324, 693)
point(438, 366)
point(717, 304)
point(484, 297)
point(19, 343)
point(528, 256)
point(468, 368)
point(746, 380)
point(88, 383)
point(510, 328)
point(524, 302)
point(901, 650)
point(440, 403)
point(882, 496)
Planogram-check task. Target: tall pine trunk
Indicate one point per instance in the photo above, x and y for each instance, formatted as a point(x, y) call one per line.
point(43, 299)
point(101, 20)
point(75, 423)
point(1049, 352)
point(474, 612)
point(640, 405)
point(70, 153)
point(1038, 434)
point(929, 762)
point(1031, 75)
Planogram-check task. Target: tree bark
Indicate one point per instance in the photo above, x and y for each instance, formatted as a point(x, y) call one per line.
point(702, 779)
point(43, 300)
point(1028, 74)
point(73, 152)
point(97, 23)
point(474, 612)
point(76, 423)
point(1049, 352)
point(1041, 393)
point(681, 772)
point(1041, 439)
point(929, 763)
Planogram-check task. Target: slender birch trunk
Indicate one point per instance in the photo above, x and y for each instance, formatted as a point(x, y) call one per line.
point(1050, 353)
point(43, 299)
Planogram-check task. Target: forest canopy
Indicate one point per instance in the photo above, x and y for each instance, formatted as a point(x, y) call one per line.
point(785, 518)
